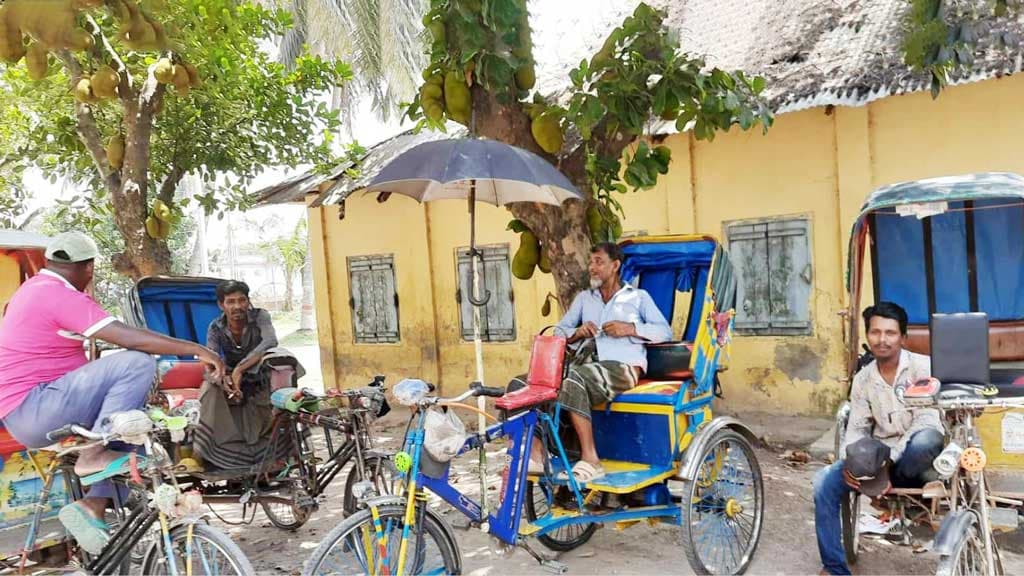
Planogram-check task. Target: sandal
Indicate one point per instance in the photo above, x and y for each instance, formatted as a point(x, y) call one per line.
point(116, 468)
point(585, 472)
point(92, 534)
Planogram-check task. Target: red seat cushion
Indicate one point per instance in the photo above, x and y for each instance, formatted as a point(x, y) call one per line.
point(183, 375)
point(525, 397)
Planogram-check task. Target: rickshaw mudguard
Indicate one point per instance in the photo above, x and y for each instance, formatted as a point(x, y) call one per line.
point(953, 525)
point(692, 457)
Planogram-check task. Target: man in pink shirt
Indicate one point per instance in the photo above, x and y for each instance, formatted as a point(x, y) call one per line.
point(46, 381)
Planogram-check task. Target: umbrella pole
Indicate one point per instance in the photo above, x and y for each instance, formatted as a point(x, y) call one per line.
point(478, 347)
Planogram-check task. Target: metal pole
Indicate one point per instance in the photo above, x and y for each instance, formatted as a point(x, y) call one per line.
point(478, 346)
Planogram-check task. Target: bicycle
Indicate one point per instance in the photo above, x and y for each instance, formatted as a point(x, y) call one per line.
point(376, 540)
point(184, 543)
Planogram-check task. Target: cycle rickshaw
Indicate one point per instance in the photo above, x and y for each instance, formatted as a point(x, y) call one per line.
point(951, 252)
point(668, 459)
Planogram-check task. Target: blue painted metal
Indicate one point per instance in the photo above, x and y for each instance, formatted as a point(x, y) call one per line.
point(550, 523)
point(657, 495)
point(632, 437)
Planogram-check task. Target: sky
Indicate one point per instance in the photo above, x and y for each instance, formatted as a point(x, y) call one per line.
point(563, 31)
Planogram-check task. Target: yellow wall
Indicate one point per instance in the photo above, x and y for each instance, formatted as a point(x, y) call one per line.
point(10, 279)
point(819, 163)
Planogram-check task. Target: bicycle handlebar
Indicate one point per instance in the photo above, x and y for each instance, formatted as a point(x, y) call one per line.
point(966, 403)
point(76, 430)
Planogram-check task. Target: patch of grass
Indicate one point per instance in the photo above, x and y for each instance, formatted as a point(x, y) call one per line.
point(299, 338)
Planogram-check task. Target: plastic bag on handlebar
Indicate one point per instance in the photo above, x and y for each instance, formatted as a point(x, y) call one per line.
point(410, 391)
point(444, 434)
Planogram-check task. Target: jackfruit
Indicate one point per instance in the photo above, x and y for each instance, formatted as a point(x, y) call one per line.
point(115, 151)
point(163, 71)
point(545, 309)
point(596, 224)
point(161, 210)
point(526, 77)
point(157, 229)
point(615, 227)
point(83, 91)
point(437, 31)
point(152, 227)
point(524, 48)
point(104, 82)
point(544, 264)
point(36, 60)
point(431, 91)
point(431, 100)
point(457, 100)
point(527, 256)
point(547, 132)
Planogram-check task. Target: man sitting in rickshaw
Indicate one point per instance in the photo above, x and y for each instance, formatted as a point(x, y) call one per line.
point(236, 414)
point(620, 319)
point(887, 444)
point(46, 381)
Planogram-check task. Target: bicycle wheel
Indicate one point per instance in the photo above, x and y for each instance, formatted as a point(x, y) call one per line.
point(539, 501)
point(968, 556)
point(293, 504)
point(356, 546)
point(380, 473)
point(723, 507)
point(849, 514)
point(211, 553)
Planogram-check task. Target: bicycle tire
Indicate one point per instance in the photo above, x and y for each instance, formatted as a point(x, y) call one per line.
point(382, 473)
point(359, 528)
point(968, 546)
point(156, 561)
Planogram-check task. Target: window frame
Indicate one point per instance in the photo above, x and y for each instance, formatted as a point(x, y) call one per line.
point(361, 337)
point(497, 252)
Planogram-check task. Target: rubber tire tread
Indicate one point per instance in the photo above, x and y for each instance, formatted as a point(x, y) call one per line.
point(434, 528)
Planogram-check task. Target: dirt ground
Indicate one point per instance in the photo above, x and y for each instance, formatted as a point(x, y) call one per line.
point(787, 543)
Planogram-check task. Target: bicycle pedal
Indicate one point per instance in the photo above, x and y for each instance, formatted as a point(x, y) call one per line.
point(554, 566)
point(304, 500)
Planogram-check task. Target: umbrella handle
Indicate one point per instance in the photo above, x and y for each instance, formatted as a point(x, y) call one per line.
point(474, 253)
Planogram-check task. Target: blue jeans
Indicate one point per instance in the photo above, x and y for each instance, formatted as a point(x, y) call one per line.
point(912, 470)
point(87, 396)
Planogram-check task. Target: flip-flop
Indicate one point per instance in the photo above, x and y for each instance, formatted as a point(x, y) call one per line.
point(584, 472)
point(116, 468)
point(92, 534)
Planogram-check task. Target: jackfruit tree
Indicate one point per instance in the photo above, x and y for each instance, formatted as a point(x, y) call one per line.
point(943, 37)
point(126, 97)
point(482, 74)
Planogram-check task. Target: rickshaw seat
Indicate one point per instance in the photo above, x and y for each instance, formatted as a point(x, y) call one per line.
point(544, 378)
point(183, 375)
point(651, 391)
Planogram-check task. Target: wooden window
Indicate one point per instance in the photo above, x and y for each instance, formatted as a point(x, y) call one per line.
point(374, 299)
point(774, 275)
point(498, 316)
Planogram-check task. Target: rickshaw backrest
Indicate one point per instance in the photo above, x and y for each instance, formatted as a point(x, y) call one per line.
point(546, 361)
point(959, 345)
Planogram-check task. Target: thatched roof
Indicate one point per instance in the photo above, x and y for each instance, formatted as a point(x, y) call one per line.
point(811, 52)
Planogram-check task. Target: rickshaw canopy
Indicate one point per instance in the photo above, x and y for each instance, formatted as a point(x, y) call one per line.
point(932, 238)
point(666, 265)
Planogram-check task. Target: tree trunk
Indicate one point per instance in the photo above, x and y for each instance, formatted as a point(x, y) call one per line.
point(307, 322)
point(562, 231)
point(289, 275)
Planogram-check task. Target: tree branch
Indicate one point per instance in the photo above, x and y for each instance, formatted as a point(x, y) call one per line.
point(87, 129)
point(170, 184)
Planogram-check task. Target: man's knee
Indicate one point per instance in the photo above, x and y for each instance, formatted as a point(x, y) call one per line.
point(138, 366)
point(930, 440)
point(822, 485)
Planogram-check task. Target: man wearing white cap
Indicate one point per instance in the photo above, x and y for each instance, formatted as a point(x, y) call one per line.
point(47, 382)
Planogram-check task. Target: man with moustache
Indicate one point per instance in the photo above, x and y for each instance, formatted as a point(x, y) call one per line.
point(619, 319)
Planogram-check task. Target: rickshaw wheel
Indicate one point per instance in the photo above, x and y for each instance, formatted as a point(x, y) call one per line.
point(723, 506)
point(538, 503)
point(290, 516)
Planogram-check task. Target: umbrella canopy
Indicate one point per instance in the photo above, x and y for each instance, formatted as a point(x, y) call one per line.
point(448, 169)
